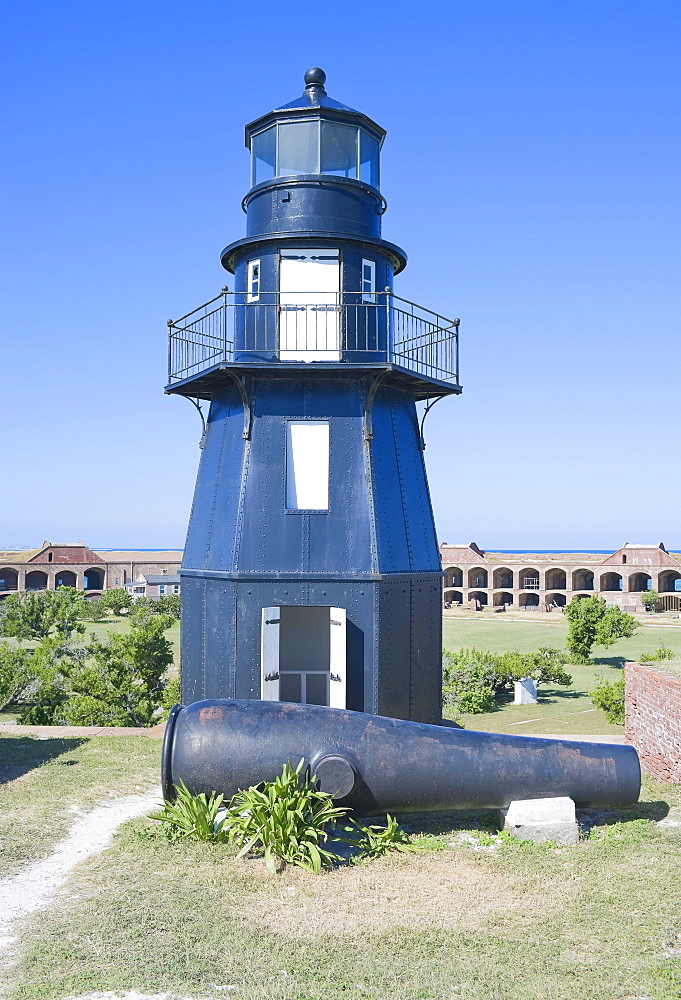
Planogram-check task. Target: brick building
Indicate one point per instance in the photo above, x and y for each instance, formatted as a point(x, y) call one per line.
point(539, 579)
point(77, 565)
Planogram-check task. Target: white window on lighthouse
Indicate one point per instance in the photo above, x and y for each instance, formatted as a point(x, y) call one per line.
point(253, 281)
point(309, 300)
point(307, 465)
point(303, 655)
point(368, 280)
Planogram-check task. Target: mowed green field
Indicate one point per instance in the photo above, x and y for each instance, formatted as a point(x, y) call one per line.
point(567, 711)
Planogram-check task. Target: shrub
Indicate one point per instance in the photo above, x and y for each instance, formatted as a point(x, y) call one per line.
point(285, 819)
point(93, 611)
point(650, 599)
point(36, 615)
point(375, 841)
point(16, 673)
point(610, 697)
point(658, 655)
point(473, 679)
point(169, 604)
point(192, 817)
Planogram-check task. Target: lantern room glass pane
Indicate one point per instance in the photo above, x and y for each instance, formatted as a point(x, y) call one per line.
point(339, 150)
point(298, 148)
point(368, 159)
point(263, 155)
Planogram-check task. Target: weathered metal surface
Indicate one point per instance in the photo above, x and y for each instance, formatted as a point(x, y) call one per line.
point(375, 764)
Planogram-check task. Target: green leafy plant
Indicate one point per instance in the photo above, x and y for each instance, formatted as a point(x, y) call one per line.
point(16, 673)
point(117, 600)
point(192, 817)
point(37, 615)
point(650, 599)
point(93, 611)
point(286, 820)
point(658, 655)
point(473, 679)
point(610, 697)
point(375, 841)
point(593, 623)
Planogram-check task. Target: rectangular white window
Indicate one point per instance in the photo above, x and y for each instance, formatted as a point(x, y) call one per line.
point(368, 280)
point(162, 589)
point(253, 281)
point(176, 588)
point(307, 465)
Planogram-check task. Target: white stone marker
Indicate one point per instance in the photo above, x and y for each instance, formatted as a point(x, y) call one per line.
point(524, 692)
point(540, 820)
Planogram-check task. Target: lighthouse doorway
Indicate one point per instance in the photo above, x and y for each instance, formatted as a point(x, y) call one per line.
point(309, 310)
point(303, 655)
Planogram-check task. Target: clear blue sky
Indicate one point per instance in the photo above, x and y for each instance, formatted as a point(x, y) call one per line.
point(531, 169)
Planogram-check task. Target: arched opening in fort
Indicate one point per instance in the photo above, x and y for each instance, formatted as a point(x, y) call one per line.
point(452, 596)
point(93, 579)
point(557, 600)
point(670, 581)
point(529, 579)
point(36, 580)
point(639, 582)
point(556, 579)
point(501, 598)
point(477, 577)
point(65, 578)
point(453, 577)
point(9, 579)
point(582, 579)
point(529, 600)
point(503, 577)
point(480, 596)
point(611, 581)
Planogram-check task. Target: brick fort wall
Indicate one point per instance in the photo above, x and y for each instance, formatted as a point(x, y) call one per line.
point(653, 719)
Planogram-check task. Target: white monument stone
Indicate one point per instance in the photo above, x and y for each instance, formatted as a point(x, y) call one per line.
point(524, 692)
point(540, 820)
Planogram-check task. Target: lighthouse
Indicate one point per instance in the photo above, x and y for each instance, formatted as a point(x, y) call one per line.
point(311, 571)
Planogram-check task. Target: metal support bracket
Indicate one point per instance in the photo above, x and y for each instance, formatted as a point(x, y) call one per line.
point(371, 396)
point(196, 403)
point(429, 406)
point(248, 412)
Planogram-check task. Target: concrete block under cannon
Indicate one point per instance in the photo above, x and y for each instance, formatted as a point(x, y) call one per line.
point(374, 764)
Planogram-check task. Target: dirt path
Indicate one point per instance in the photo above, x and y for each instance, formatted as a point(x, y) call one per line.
point(35, 888)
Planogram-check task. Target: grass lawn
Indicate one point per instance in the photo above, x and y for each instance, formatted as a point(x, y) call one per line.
point(44, 781)
point(471, 917)
point(560, 710)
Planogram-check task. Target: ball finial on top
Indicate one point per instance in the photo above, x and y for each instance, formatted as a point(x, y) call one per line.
point(315, 77)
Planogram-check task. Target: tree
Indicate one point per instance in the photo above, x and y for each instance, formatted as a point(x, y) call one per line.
point(117, 600)
point(16, 673)
point(169, 605)
point(473, 679)
point(649, 599)
point(593, 623)
point(37, 615)
point(118, 682)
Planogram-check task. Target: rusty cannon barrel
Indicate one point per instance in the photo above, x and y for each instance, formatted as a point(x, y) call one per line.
point(375, 764)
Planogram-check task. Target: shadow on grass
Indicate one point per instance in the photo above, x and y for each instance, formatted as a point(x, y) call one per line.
point(610, 661)
point(19, 756)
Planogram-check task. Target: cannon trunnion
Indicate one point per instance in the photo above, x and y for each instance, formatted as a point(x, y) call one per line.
point(375, 764)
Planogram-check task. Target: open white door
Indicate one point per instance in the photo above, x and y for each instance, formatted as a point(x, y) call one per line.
point(269, 655)
point(337, 658)
point(309, 287)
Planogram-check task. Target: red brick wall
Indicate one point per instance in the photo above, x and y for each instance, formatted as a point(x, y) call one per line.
point(653, 719)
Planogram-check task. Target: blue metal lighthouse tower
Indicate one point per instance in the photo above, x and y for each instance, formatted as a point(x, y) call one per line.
point(311, 571)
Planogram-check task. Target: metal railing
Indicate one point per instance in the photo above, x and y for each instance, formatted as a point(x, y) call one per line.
point(313, 327)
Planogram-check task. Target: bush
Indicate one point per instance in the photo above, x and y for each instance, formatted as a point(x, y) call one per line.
point(658, 655)
point(116, 682)
point(16, 673)
point(473, 679)
point(650, 599)
point(192, 817)
point(93, 611)
point(36, 615)
point(610, 697)
point(169, 604)
point(375, 841)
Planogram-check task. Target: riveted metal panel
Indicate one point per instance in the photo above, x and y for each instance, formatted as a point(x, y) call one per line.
point(212, 524)
point(394, 647)
point(425, 682)
point(192, 655)
point(391, 533)
point(220, 639)
point(418, 512)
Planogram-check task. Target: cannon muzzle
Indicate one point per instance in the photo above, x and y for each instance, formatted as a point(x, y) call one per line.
point(373, 764)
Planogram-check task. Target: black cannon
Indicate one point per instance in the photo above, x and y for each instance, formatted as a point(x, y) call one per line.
point(374, 764)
